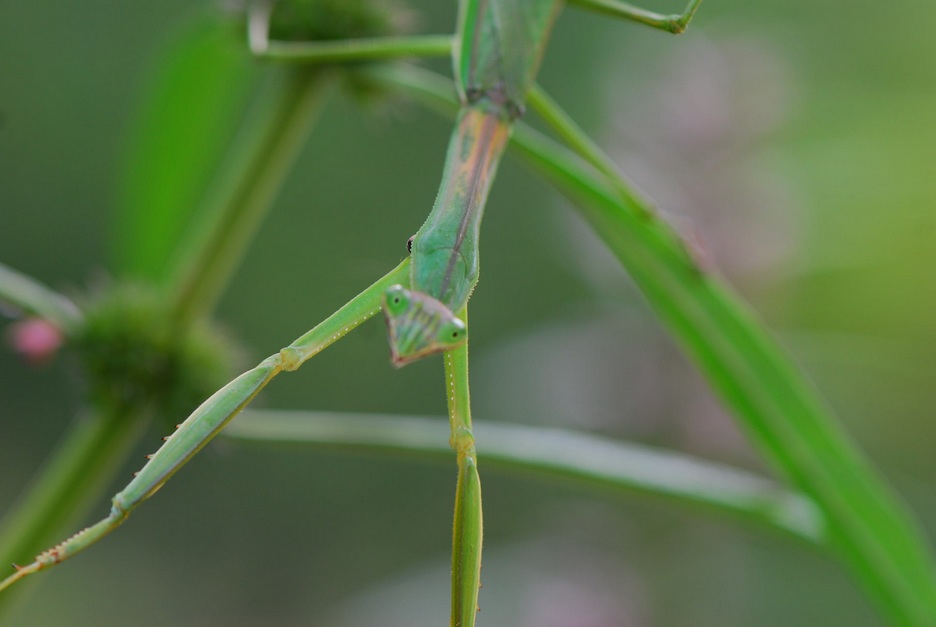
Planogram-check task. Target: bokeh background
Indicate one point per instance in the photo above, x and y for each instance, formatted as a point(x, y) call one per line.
point(795, 141)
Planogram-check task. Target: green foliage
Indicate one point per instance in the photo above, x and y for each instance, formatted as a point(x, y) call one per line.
point(134, 355)
point(190, 110)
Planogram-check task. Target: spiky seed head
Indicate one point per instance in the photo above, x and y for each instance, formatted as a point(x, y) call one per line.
point(132, 355)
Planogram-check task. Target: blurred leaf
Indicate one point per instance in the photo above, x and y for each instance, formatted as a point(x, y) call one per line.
point(193, 100)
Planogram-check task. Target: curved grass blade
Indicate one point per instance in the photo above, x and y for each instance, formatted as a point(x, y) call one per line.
point(770, 398)
point(772, 401)
point(593, 462)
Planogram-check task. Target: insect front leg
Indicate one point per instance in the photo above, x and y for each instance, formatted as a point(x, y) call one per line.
point(675, 23)
point(212, 416)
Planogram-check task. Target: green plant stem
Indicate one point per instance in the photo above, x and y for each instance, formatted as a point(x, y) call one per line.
point(783, 416)
point(76, 476)
point(275, 133)
point(34, 298)
point(194, 100)
point(594, 462)
point(358, 49)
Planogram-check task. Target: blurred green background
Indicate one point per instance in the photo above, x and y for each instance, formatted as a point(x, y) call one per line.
point(795, 141)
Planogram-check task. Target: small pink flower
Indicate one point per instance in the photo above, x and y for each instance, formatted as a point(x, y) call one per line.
point(36, 339)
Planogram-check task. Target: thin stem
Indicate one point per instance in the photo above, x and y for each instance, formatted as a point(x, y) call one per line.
point(345, 50)
point(572, 134)
point(621, 468)
point(340, 50)
point(247, 189)
point(36, 299)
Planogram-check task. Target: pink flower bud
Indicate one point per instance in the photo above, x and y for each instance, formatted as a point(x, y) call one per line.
point(36, 339)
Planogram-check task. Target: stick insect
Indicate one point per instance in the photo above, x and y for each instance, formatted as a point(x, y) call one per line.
point(496, 53)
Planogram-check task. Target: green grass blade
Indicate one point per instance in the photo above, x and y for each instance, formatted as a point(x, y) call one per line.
point(770, 398)
point(609, 466)
point(583, 145)
point(190, 109)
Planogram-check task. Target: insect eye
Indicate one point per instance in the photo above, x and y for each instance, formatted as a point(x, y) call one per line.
point(409, 244)
point(453, 332)
point(395, 300)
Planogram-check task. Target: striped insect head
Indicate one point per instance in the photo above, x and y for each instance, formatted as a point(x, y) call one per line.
point(419, 325)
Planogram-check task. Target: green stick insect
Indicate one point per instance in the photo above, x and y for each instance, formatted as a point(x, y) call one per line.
point(496, 53)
